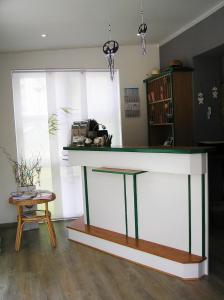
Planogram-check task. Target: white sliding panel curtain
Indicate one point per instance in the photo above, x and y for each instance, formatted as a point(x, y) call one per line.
point(65, 96)
point(37, 97)
point(103, 102)
point(64, 99)
point(31, 122)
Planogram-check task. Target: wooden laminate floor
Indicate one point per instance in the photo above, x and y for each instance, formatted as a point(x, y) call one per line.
point(74, 271)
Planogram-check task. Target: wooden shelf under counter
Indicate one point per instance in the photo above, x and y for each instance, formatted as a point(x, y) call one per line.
point(138, 244)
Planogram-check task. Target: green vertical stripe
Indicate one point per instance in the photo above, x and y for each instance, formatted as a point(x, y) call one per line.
point(189, 211)
point(125, 205)
point(86, 195)
point(135, 205)
point(171, 85)
point(203, 213)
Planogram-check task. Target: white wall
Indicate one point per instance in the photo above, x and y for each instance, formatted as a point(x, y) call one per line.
point(132, 66)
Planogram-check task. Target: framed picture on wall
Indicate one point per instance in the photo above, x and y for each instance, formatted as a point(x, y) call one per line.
point(132, 102)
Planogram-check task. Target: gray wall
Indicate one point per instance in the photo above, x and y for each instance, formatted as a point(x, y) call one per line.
point(208, 74)
point(194, 48)
point(202, 37)
point(223, 68)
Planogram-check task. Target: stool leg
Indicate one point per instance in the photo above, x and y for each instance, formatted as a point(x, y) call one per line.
point(51, 232)
point(19, 229)
point(17, 235)
point(50, 226)
point(20, 236)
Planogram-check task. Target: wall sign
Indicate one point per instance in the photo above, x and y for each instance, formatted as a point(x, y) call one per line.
point(132, 102)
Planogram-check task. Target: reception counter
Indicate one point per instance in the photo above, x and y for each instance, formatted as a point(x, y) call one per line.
point(147, 205)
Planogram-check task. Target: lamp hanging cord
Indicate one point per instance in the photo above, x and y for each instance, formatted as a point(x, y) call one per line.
point(110, 48)
point(141, 11)
point(142, 30)
point(109, 31)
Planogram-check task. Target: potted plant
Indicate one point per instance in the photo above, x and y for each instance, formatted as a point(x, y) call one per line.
point(26, 172)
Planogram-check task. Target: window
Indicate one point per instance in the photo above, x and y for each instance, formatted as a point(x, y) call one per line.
point(66, 96)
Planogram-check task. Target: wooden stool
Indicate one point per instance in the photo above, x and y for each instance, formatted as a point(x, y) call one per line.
point(36, 216)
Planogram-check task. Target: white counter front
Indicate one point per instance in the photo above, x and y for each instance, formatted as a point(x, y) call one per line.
point(167, 205)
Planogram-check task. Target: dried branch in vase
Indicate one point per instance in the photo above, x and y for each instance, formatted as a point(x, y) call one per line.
point(26, 171)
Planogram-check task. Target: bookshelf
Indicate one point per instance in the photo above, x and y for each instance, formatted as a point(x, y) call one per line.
point(170, 108)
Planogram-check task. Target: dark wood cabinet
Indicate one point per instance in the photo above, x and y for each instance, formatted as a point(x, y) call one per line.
point(170, 108)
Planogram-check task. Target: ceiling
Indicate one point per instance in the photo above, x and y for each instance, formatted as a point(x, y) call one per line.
point(83, 23)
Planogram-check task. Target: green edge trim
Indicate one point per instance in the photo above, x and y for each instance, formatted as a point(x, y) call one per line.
point(174, 150)
point(166, 72)
point(125, 205)
point(86, 195)
point(135, 205)
point(189, 211)
point(203, 213)
point(159, 76)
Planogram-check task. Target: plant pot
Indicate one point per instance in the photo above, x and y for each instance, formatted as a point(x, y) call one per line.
point(26, 189)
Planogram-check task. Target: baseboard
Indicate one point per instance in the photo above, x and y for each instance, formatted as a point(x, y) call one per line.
point(8, 225)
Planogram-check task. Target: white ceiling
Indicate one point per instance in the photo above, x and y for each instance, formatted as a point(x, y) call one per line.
point(83, 23)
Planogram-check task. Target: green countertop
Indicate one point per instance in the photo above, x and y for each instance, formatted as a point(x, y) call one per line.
point(157, 149)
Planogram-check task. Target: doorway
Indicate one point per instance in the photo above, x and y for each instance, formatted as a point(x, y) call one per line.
point(209, 131)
